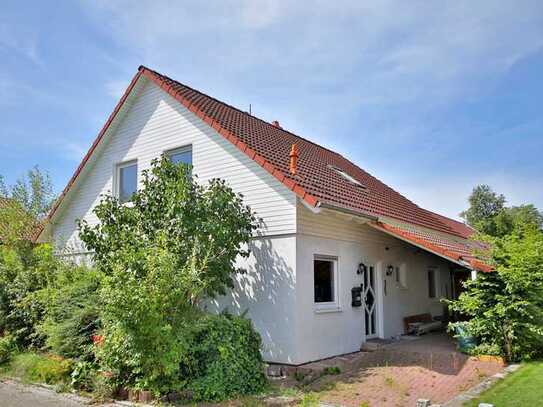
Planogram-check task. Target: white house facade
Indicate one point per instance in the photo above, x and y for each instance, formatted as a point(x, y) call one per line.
point(327, 226)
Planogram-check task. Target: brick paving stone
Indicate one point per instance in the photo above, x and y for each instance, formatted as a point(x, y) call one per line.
point(404, 385)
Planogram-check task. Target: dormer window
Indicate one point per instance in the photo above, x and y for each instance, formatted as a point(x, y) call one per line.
point(348, 177)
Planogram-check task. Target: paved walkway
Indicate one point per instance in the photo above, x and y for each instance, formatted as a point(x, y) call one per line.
point(402, 372)
point(14, 394)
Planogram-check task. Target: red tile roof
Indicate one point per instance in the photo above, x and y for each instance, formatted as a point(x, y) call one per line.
point(458, 250)
point(460, 228)
point(317, 180)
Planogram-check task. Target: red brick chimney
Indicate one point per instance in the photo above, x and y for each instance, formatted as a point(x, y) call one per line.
point(293, 159)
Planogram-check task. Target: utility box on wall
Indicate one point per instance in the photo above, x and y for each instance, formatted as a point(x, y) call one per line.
point(356, 295)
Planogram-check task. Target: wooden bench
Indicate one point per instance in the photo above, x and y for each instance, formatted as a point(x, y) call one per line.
point(428, 323)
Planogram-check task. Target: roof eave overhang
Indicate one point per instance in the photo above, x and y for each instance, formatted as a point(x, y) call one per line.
point(420, 246)
point(348, 211)
point(471, 264)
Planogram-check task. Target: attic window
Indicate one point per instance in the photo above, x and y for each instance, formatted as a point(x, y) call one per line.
point(349, 178)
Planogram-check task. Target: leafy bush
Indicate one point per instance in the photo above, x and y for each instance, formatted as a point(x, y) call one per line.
point(142, 320)
point(505, 307)
point(38, 368)
point(221, 358)
point(7, 347)
point(84, 376)
point(23, 272)
point(176, 245)
point(72, 313)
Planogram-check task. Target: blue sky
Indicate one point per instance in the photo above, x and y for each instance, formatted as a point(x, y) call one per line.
point(430, 97)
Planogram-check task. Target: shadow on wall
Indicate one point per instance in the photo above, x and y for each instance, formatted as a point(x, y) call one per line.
point(266, 291)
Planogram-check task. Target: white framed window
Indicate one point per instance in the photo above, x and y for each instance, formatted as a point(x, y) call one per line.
point(180, 155)
point(432, 282)
point(401, 276)
point(325, 282)
point(126, 180)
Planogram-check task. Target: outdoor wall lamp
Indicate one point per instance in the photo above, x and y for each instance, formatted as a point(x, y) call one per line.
point(361, 268)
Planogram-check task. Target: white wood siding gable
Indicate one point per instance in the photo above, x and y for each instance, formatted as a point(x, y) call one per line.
point(155, 123)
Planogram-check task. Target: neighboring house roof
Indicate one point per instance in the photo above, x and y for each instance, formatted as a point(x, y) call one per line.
point(318, 180)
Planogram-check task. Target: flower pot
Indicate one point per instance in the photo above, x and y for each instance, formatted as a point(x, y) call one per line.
point(145, 396)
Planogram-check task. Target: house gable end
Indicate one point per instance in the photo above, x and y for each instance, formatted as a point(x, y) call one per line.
point(155, 123)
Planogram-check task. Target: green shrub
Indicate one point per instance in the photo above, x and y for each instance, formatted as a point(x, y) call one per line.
point(505, 307)
point(38, 368)
point(7, 347)
point(161, 257)
point(221, 358)
point(24, 273)
point(72, 313)
point(331, 370)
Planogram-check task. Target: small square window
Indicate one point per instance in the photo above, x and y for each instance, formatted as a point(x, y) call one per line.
point(325, 280)
point(127, 181)
point(181, 155)
point(432, 283)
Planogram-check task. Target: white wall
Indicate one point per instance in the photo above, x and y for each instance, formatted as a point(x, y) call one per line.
point(154, 123)
point(267, 292)
point(322, 335)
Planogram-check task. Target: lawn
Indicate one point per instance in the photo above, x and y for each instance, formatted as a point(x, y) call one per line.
point(521, 388)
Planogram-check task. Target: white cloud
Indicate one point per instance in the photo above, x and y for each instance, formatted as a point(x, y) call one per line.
point(351, 55)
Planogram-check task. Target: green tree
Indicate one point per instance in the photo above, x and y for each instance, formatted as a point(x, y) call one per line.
point(23, 205)
point(172, 246)
point(516, 218)
point(488, 214)
point(25, 268)
point(505, 307)
point(33, 191)
point(484, 206)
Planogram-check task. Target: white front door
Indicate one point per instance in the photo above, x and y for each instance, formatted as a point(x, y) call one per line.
point(369, 299)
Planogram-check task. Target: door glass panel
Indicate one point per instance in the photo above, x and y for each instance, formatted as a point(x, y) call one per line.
point(369, 301)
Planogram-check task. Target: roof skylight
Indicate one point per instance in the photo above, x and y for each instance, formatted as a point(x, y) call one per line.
point(347, 177)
